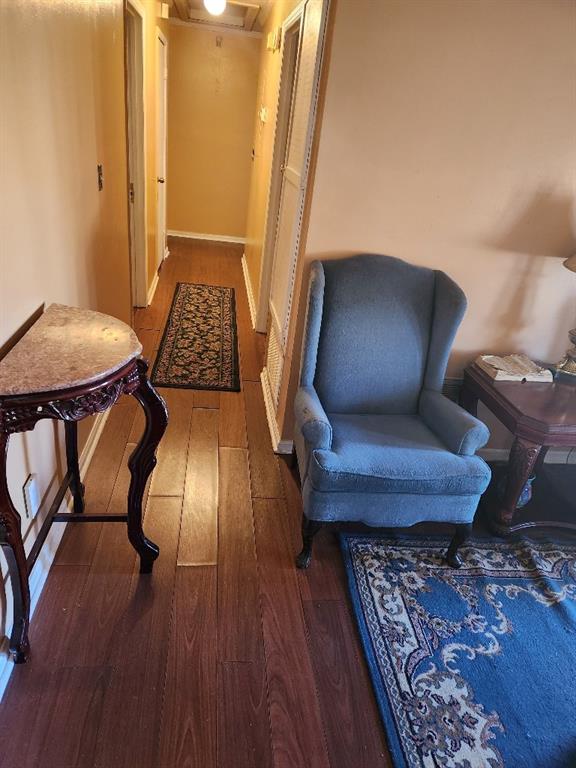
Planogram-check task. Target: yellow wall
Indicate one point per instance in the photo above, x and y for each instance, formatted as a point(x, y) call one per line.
point(448, 139)
point(62, 91)
point(211, 98)
point(267, 96)
point(152, 23)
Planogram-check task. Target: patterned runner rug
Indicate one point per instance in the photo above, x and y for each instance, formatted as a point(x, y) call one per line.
point(199, 348)
point(476, 667)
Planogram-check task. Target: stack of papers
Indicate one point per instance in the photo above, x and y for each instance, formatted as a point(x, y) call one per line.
point(513, 368)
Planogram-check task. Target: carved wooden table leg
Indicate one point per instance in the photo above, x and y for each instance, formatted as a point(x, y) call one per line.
point(76, 486)
point(142, 462)
point(523, 456)
point(13, 548)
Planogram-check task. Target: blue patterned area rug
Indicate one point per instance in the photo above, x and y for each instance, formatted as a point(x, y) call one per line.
point(476, 667)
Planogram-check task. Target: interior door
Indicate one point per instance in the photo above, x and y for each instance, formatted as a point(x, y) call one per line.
point(161, 102)
point(290, 189)
point(293, 169)
point(136, 175)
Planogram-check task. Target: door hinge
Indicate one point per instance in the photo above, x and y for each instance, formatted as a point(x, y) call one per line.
point(131, 191)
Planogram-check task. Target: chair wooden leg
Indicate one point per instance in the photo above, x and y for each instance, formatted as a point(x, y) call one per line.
point(309, 529)
point(460, 536)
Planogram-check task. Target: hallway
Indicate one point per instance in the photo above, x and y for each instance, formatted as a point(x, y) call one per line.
point(227, 655)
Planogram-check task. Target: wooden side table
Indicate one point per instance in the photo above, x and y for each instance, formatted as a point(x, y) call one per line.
point(539, 415)
point(71, 364)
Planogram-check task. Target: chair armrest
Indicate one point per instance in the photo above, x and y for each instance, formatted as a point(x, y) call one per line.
point(311, 419)
point(461, 432)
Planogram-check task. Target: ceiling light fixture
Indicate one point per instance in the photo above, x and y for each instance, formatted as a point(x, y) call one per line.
point(215, 7)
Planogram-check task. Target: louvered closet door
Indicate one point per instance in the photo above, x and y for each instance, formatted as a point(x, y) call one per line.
point(293, 182)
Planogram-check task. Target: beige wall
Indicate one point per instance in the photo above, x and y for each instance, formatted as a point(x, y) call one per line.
point(448, 139)
point(62, 91)
point(211, 98)
point(267, 96)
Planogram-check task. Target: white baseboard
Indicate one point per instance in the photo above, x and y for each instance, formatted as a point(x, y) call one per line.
point(50, 547)
point(278, 445)
point(205, 236)
point(249, 291)
point(554, 455)
point(152, 289)
point(154, 285)
point(494, 454)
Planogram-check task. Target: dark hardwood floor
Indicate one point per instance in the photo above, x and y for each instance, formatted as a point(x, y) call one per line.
point(227, 655)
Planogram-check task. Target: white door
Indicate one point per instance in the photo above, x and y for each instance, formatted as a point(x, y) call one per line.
point(293, 174)
point(161, 46)
point(134, 26)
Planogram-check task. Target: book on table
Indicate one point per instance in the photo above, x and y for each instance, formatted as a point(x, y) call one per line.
point(513, 368)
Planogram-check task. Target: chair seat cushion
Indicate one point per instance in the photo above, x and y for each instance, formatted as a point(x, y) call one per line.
point(393, 454)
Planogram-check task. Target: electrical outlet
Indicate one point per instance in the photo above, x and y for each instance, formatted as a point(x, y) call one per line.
point(31, 496)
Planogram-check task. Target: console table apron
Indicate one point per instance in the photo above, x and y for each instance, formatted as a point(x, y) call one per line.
point(539, 415)
point(71, 364)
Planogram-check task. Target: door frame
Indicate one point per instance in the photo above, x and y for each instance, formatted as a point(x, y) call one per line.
point(281, 136)
point(135, 16)
point(161, 116)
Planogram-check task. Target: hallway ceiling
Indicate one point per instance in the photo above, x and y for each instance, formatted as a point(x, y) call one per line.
point(239, 14)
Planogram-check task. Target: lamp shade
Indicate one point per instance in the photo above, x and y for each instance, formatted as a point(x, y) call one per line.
point(570, 262)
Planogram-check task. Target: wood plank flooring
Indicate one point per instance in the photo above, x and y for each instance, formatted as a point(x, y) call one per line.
point(226, 656)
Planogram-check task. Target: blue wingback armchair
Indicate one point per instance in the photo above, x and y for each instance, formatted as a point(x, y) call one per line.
point(376, 440)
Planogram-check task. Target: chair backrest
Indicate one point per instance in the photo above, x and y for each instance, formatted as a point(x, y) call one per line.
point(378, 329)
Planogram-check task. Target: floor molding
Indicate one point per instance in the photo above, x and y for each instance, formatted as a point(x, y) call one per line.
point(554, 455)
point(204, 236)
point(278, 445)
point(249, 291)
point(493, 454)
point(48, 552)
point(152, 289)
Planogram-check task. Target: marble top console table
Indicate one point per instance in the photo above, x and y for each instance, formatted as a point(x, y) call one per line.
point(72, 363)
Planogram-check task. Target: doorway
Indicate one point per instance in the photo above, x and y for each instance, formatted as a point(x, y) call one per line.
point(215, 73)
point(134, 75)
